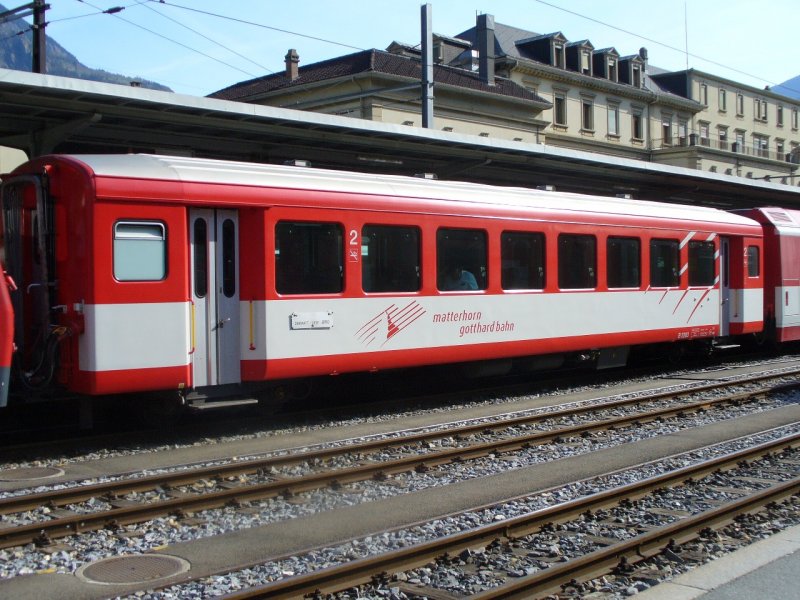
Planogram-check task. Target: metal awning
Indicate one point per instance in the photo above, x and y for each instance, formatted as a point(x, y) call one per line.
point(42, 114)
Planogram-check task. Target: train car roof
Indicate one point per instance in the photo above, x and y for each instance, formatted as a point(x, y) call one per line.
point(786, 222)
point(200, 170)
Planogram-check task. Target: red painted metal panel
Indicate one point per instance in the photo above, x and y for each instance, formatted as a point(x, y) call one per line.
point(136, 380)
point(6, 334)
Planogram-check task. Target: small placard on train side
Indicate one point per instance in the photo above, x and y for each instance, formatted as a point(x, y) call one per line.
point(311, 320)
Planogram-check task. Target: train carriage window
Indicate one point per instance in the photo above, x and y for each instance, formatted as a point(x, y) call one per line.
point(461, 259)
point(228, 258)
point(702, 268)
point(309, 258)
point(753, 262)
point(623, 262)
point(522, 259)
point(577, 261)
point(390, 258)
point(200, 258)
point(664, 263)
point(140, 251)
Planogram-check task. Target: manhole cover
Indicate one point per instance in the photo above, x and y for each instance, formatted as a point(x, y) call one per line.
point(29, 473)
point(136, 568)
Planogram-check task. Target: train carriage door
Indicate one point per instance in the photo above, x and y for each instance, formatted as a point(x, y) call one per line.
point(214, 239)
point(725, 306)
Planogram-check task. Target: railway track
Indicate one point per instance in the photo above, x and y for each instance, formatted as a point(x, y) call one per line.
point(369, 573)
point(176, 493)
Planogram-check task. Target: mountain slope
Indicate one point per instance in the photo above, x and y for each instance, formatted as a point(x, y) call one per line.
point(16, 42)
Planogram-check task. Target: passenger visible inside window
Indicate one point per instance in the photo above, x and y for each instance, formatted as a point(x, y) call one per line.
point(461, 259)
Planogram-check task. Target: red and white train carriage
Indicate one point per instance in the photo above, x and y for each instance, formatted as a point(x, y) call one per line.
point(782, 276)
point(140, 273)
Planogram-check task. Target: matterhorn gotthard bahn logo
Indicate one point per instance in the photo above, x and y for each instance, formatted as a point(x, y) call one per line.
point(388, 323)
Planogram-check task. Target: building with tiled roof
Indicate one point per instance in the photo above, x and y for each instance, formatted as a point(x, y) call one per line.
point(497, 80)
point(385, 86)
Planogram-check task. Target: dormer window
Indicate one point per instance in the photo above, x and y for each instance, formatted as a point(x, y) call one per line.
point(606, 63)
point(637, 76)
point(586, 62)
point(558, 56)
point(612, 69)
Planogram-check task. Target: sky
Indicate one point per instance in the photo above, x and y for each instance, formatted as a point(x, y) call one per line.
point(197, 47)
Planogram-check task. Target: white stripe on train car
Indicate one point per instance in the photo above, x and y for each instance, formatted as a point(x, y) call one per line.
point(135, 336)
point(412, 322)
point(751, 300)
point(787, 306)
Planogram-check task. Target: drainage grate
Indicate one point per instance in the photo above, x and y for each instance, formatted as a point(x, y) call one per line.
point(135, 568)
point(30, 473)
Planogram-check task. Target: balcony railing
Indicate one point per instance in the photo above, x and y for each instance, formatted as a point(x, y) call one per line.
point(726, 146)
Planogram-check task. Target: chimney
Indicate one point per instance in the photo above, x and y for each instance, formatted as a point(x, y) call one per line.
point(292, 60)
point(643, 56)
point(485, 27)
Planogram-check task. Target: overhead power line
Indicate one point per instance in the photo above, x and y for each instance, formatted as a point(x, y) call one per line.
point(254, 24)
point(146, 4)
point(115, 13)
point(658, 43)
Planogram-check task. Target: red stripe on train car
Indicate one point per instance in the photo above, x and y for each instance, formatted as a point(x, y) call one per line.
point(133, 380)
point(6, 335)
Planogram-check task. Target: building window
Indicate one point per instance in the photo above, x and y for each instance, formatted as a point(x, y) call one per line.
point(760, 109)
point(703, 94)
point(613, 120)
point(461, 259)
point(704, 135)
point(558, 56)
point(612, 69)
point(390, 258)
point(586, 62)
point(723, 138)
point(739, 105)
point(664, 261)
point(523, 260)
point(637, 76)
point(623, 262)
point(140, 251)
point(683, 136)
point(701, 263)
point(761, 145)
point(794, 118)
point(666, 130)
point(309, 258)
point(779, 116)
point(637, 127)
point(739, 143)
point(723, 100)
point(577, 261)
point(780, 148)
point(560, 109)
point(587, 115)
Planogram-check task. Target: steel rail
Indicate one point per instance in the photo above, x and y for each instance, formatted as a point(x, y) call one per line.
point(637, 548)
point(43, 531)
point(334, 579)
point(77, 494)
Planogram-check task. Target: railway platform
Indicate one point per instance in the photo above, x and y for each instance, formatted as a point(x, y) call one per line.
point(766, 569)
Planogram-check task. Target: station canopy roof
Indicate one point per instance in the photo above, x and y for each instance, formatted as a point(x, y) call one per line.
point(42, 114)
